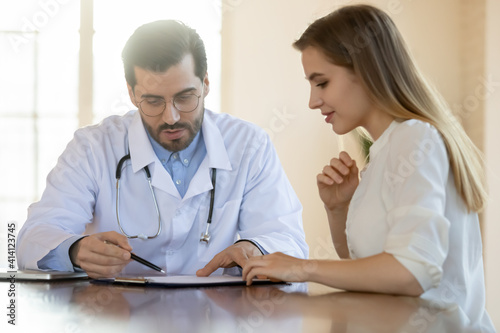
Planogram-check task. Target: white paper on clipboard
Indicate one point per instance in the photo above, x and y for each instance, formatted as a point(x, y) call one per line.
point(180, 281)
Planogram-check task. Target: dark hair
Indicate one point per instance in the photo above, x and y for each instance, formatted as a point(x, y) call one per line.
point(158, 45)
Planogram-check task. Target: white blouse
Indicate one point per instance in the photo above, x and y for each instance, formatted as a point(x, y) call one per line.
point(406, 204)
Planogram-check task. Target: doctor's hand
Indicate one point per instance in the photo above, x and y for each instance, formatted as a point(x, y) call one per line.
point(235, 255)
point(338, 181)
point(101, 255)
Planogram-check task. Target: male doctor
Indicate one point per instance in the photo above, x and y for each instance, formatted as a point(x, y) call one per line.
point(202, 166)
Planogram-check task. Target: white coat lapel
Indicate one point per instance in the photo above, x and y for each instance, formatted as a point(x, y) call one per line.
point(216, 157)
point(142, 154)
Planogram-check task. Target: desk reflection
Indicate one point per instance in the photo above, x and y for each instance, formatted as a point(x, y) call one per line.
point(79, 306)
point(345, 311)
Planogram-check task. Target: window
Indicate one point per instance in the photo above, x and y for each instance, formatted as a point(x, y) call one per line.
point(116, 20)
point(40, 108)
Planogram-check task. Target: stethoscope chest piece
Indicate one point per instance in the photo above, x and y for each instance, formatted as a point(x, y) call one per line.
point(205, 236)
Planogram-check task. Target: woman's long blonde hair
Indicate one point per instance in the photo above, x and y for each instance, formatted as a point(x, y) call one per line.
point(365, 39)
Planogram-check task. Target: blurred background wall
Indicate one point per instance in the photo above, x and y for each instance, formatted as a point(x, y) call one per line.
point(455, 43)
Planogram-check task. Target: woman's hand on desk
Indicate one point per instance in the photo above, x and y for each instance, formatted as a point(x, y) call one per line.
point(278, 267)
point(99, 256)
point(380, 273)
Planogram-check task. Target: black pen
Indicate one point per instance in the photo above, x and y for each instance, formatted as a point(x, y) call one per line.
point(141, 260)
point(145, 262)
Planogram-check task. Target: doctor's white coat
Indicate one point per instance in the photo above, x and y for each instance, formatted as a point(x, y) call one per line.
point(253, 200)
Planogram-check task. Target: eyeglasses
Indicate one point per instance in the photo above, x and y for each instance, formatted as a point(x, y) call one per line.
point(153, 106)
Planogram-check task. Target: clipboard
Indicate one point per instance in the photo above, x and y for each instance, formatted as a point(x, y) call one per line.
point(183, 281)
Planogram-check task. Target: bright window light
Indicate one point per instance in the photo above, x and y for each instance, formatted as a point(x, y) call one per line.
point(39, 107)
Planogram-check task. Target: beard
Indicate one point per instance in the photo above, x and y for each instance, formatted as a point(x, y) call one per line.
point(182, 143)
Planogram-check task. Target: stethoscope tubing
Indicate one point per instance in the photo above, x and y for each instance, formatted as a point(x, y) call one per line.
point(148, 177)
point(205, 237)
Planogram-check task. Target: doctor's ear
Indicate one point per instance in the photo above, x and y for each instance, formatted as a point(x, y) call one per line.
point(131, 94)
point(206, 84)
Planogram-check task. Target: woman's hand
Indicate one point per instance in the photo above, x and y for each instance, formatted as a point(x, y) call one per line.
point(278, 267)
point(338, 181)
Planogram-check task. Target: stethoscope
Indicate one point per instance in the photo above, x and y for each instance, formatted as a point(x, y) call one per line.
point(205, 237)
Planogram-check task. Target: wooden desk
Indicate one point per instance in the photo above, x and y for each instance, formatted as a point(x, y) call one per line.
point(79, 306)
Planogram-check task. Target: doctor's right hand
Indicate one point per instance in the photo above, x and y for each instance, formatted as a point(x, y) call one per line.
point(338, 181)
point(101, 255)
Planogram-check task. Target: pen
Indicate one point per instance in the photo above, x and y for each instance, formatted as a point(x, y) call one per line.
point(145, 262)
point(135, 257)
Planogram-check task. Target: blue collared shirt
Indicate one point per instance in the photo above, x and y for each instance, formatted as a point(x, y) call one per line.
point(181, 165)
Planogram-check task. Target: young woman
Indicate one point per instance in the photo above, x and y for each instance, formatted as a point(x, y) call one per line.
point(410, 225)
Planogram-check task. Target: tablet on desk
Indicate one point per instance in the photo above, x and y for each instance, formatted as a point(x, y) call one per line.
point(35, 275)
